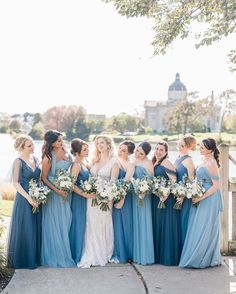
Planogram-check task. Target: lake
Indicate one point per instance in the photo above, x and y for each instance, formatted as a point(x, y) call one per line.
point(8, 154)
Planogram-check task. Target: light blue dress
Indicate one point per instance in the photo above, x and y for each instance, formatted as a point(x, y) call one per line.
point(78, 207)
point(123, 228)
point(202, 244)
point(166, 226)
point(24, 243)
point(143, 249)
point(56, 222)
point(181, 171)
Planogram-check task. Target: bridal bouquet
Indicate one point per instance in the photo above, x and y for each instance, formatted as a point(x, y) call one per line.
point(179, 191)
point(38, 193)
point(107, 192)
point(90, 186)
point(161, 187)
point(141, 187)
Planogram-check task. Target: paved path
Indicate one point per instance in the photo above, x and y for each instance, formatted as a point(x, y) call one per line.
point(124, 279)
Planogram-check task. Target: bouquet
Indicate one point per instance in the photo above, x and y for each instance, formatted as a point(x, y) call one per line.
point(122, 187)
point(38, 193)
point(107, 192)
point(90, 187)
point(179, 191)
point(141, 187)
point(64, 181)
point(161, 187)
point(194, 189)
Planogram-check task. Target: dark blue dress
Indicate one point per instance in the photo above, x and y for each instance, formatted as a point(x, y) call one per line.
point(25, 232)
point(78, 208)
point(181, 171)
point(166, 226)
point(123, 228)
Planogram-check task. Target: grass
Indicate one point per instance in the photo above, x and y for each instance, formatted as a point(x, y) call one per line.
point(6, 207)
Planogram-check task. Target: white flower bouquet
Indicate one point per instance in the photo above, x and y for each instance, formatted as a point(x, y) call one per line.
point(179, 191)
point(106, 193)
point(194, 189)
point(141, 187)
point(90, 187)
point(64, 180)
point(38, 193)
point(161, 187)
point(122, 187)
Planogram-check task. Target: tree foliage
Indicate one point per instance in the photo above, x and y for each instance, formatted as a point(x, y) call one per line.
point(174, 18)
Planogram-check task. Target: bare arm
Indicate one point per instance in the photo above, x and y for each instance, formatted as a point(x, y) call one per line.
point(129, 172)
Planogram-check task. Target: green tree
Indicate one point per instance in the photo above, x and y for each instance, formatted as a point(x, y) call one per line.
point(227, 101)
point(37, 131)
point(174, 18)
point(125, 122)
point(15, 126)
point(37, 118)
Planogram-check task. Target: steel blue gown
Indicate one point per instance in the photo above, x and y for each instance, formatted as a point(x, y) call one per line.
point(143, 248)
point(24, 241)
point(181, 171)
point(202, 243)
point(166, 226)
point(56, 222)
point(123, 228)
point(78, 208)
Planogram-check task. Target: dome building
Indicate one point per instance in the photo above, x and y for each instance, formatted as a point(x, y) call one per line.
point(155, 111)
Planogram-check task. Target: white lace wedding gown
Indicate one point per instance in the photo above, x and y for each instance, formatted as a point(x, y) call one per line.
point(99, 237)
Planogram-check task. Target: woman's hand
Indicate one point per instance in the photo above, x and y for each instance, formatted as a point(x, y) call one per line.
point(33, 203)
point(196, 200)
point(62, 193)
point(163, 199)
point(180, 200)
point(90, 196)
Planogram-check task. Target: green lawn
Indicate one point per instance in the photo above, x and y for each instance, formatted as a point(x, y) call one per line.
point(6, 207)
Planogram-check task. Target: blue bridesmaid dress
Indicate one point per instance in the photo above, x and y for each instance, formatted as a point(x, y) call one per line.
point(182, 171)
point(56, 222)
point(202, 244)
point(123, 228)
point(24, 242)
point(166, 226)
point(143, 248)
point(78, 207)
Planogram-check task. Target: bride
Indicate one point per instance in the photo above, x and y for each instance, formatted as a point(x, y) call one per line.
point(99, 238)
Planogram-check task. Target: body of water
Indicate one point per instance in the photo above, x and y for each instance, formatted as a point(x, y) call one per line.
point(8, 154)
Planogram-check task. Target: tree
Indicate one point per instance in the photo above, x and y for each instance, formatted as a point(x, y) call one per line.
point(227, 101)
point(37, 131)
point(174, 18)
point(15, 126)
point(125, 122)
point(186, 116)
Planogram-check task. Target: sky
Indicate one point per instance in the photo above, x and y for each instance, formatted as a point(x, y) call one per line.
point(70, 52)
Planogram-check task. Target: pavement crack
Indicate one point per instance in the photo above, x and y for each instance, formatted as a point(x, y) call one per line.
point(140, 277)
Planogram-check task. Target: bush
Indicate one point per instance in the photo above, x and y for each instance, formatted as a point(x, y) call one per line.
point(3, 258)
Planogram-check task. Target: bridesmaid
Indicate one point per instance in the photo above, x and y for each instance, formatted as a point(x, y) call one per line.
point(166, 221)
point(79, 149)
point(25, 231)
point(57, 216)
point(122, 211)
point(143, 249)
point(202, 244)
point(185, 166)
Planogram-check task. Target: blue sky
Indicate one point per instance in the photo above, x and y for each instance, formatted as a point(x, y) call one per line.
point(85, 53)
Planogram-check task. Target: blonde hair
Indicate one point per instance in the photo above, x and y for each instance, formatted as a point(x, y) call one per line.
point(190, 141)
point(20, 142)
point(110, 147)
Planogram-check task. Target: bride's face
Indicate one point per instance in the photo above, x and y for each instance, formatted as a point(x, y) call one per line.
point(102, 145)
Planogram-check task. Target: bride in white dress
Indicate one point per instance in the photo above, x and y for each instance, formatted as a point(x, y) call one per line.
point(99, 237)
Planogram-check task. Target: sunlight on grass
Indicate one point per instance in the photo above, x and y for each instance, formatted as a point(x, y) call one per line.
point(6, 207)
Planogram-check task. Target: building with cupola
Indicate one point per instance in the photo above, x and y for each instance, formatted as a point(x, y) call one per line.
point(155, 111)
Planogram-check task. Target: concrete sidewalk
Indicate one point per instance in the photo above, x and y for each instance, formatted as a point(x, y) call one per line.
point(115, 278)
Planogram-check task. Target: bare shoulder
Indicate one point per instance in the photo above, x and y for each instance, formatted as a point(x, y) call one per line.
point(168, 164)
point(188, 162)
point(213, 168)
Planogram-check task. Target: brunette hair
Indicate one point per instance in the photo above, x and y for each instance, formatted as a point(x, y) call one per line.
point(76, 146)
point(50, 137)
point(210, 144)
point(163, 143)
